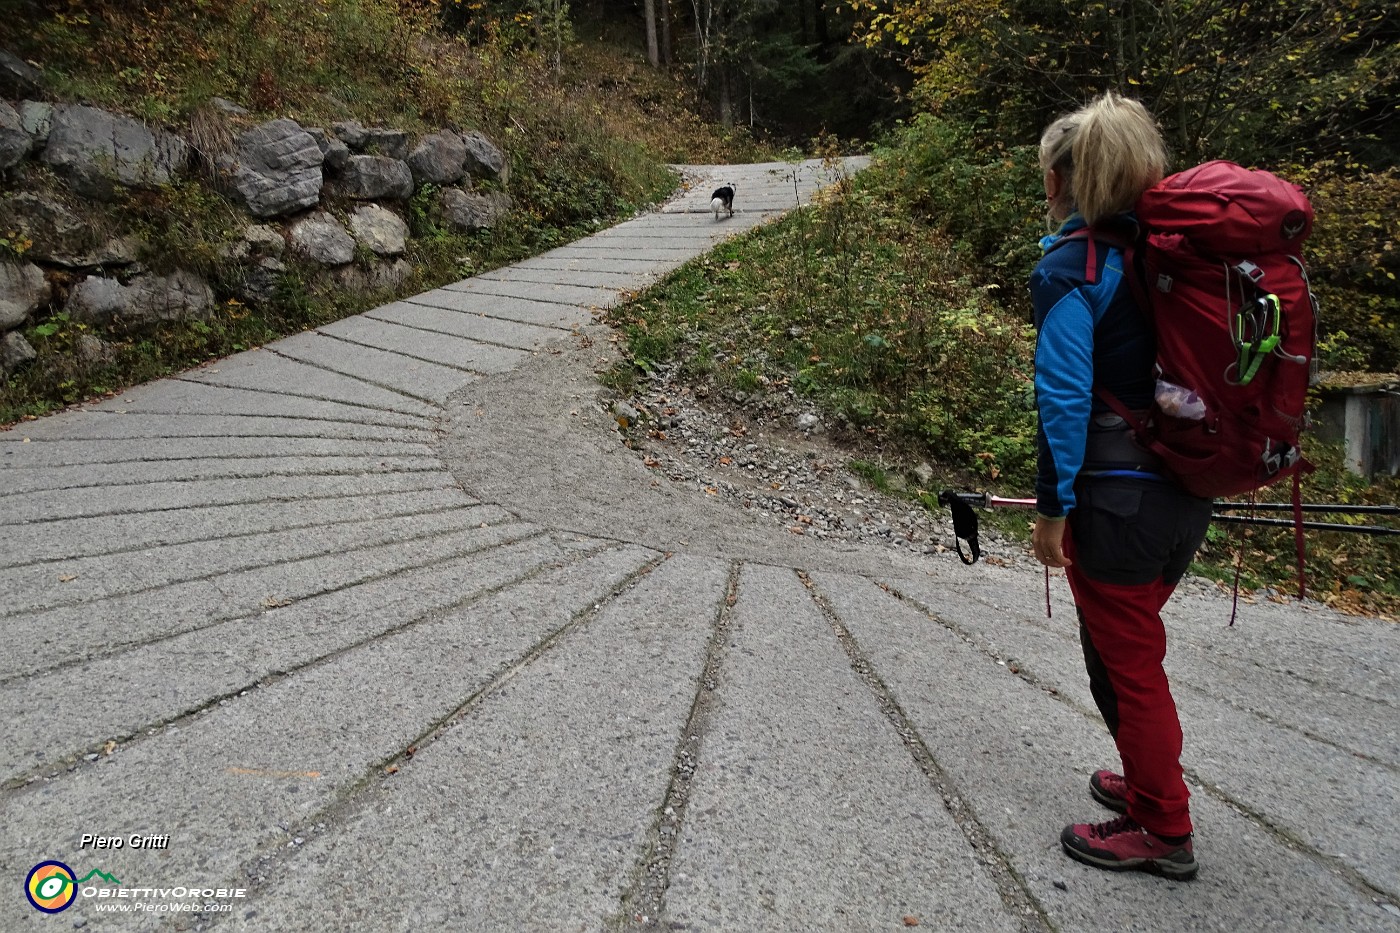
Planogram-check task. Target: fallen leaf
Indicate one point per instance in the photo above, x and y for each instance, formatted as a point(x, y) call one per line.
point(110, 747)
point(911, 921)
point(275, 602)
point(652, 462)
point(68, 578)
point(392, 769)
point(726, 460)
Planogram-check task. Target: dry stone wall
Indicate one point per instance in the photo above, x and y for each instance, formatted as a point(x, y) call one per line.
point(329, 198)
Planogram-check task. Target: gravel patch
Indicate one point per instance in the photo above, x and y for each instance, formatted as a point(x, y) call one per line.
point(769, 453)
point(748, 448)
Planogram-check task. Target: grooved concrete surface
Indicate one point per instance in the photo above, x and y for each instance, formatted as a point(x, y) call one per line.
point(382, 628)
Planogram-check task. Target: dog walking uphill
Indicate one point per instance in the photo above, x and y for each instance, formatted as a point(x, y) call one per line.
point(722, 200)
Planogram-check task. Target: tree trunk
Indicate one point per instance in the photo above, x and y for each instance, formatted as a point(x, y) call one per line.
point(819, 15)
point(653, 54)
point(726, 102)
point(704, 14)
point(666, 32)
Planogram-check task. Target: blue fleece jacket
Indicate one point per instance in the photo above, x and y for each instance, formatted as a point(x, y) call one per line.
point(1087, 335)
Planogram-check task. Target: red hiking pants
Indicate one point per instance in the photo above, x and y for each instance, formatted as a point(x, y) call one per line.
point(1130, 542)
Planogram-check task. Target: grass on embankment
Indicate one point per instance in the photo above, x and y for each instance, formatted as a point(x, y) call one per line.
point(588, 146)
point(863, 307)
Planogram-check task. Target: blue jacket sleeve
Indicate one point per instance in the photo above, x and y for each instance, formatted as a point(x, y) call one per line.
point(1064, 378)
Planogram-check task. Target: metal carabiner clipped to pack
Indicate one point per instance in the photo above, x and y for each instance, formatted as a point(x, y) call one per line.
point(1257, 334)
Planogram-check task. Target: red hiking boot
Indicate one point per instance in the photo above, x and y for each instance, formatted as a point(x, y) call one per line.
point(1123, 845)
point(1110, 789)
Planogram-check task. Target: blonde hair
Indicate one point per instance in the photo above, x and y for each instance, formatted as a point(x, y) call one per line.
point(1106, 153)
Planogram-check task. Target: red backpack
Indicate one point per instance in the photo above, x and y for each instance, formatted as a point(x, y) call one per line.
point(1219, 269)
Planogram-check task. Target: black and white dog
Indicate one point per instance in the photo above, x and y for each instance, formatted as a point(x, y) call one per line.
point(722, 200)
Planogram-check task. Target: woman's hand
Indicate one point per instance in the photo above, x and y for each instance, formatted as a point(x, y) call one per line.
point(1048, 541)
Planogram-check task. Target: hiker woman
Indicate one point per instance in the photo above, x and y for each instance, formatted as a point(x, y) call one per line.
point(1123, 533)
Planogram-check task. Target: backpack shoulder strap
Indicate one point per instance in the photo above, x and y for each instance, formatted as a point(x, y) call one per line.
point(1091, 235)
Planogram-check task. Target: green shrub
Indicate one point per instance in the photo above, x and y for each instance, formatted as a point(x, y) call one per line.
point(990, 203)
point(1353, 256)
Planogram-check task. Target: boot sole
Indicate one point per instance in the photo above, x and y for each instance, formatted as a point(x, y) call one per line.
point(1167, 869)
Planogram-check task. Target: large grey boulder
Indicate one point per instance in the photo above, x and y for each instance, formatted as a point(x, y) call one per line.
point(373, 177)
point(321, 239)
point(383, 140)
point(15, 351)
point(93, 351)
point(97, 300)
point(379, 276)
point(484, 158)
point(257, 240)
point(276, 169)
point(98, 152)
point(352, 133)
point(179, 296)
point(36, 117)
point(334, 153)
point(23, 290)
point(18, 78)
point(61, 237)
point(439, 159)
point(262, 280)
point(468, 211)
point(48, 222)
point(224, 105)
point(15, 140)
point(379, 230)
point(264, 240)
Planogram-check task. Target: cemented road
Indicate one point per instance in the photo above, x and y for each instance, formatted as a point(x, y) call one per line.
point(381, 628)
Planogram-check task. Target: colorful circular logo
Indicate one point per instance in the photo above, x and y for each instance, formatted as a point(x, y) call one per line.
point(50, 887)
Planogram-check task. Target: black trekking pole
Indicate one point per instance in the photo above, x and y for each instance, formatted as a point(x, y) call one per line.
point(1309, 507)
point(1314, 507)
point(1315, 526)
